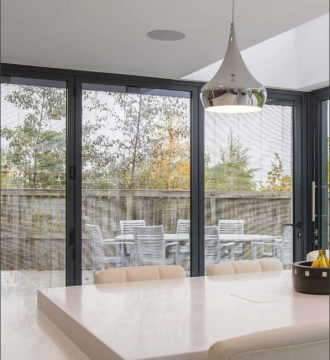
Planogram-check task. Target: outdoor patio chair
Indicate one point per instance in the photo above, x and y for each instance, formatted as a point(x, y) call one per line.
point(233, 227)
point(183, 227)
point(213, 247)
point(126, 226)
point(183, 230)
point(98, 253)
point(280, 248)
point(150, 246)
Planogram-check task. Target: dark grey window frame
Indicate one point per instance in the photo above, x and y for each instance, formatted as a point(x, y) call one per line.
point(75, 79)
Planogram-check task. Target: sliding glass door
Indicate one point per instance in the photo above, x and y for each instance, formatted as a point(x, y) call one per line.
point(108, 171)
point(135, 177)
point(33, 178)
point(249, 181)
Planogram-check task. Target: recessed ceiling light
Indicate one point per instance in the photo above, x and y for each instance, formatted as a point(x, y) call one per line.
point(166, 35)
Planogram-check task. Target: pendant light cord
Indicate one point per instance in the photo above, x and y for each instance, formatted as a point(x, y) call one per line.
point(233, 16)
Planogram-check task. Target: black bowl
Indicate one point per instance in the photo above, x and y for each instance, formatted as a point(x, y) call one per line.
point(310, 280)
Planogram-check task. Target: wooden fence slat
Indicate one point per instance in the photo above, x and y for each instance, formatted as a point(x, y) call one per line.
point(173, 214)
point(113, 216)
point(147, 211)
point(28, 213)
point(165, 214)
point(155, 211)
point(182, 208)
point(105, 215)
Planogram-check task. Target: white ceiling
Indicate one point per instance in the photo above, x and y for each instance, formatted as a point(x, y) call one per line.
point(110, 35)
point(296, 59)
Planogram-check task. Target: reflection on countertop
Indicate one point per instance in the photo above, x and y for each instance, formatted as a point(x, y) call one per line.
point(26, 333)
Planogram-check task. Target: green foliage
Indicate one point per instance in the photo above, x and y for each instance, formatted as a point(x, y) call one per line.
point(277, 179)
point(151, 131)
point(5, 172)
point(149, 146)
point(145, 124)
point(35, 153)
point(232, 173)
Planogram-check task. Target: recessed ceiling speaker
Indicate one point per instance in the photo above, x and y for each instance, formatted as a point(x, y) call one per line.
point(166, 35)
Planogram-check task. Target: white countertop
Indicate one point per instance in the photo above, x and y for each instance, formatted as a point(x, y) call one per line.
point(177, 319)
point(26, 333)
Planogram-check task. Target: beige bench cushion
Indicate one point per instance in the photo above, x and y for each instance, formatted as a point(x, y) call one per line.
point(313, 255)
point(244, 266)
point(297, 343)
point(140, 273)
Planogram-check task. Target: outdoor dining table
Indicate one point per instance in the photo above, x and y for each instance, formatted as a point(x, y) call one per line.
point(223, 237)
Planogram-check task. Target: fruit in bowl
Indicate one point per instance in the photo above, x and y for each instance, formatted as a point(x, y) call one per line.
point(322, 261)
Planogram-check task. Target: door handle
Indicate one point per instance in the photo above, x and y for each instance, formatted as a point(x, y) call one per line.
point(298, 224)
point(313, 201)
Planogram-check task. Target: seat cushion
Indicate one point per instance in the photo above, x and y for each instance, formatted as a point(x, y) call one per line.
point(246, 266)
point(111, 276)
point(142, 273)
point(303, 342)
point(313, 255)
point(225, 268)
point(270, 265)
point(171, 272)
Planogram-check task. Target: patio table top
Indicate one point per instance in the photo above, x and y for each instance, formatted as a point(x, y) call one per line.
point(223, 237)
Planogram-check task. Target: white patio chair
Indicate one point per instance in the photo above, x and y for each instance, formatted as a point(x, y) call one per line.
point(126, 226)
point(150, 247)
point(183, 227)
point(98, 243)
point(280, 248)
point(183, 231)
point(233, 227)
point(213, 247)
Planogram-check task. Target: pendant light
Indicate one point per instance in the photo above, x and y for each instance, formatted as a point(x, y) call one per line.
point(233, 89)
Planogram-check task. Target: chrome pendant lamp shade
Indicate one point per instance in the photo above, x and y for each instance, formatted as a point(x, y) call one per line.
point(233, 89)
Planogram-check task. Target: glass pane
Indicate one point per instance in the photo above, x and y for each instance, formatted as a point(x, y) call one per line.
point(248, 185)
point(325, 175)
point(33, 168)
point(136, 178)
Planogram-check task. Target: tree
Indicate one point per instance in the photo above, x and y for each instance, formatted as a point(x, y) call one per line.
point(98, 157)
point(35, 153)
point(146, 129)
point(232, 173)
point(170, 166)
point(133, 141)
point(277, 179)
point(5, 172)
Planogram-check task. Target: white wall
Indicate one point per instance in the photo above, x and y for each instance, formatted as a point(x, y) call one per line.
point(312, 41)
